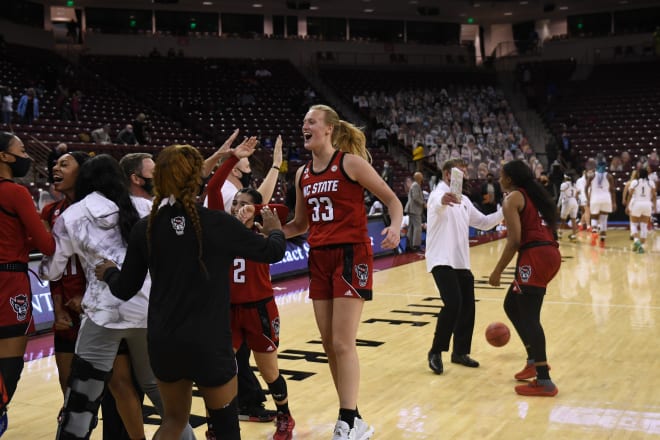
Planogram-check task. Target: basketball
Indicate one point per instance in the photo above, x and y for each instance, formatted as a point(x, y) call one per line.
point(497, 334)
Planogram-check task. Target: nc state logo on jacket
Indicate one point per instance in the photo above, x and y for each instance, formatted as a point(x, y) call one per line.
point(178, 224)
point(20, 304)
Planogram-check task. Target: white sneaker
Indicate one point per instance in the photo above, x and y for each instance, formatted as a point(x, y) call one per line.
point(343, 432)
point(362, 429)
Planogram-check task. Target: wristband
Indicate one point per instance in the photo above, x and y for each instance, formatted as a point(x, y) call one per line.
point(275, 168)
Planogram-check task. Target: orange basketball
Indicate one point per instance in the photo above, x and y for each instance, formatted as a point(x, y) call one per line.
point(497, 334)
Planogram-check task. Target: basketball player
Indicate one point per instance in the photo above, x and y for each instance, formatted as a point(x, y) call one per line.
point(568, 205)
point(625, 199)
point(641, 198)
point(255, 319)
point(602, 201)
point(581, 187)
point(330, 203)
point(21, 230)
point(531, 219)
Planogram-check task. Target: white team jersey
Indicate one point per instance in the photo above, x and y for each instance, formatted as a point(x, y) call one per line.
point(567, 191)
point(581, 188)
point(600, 187)
point(641, 190)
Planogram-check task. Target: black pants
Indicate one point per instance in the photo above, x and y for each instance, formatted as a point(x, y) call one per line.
point(456, 318)
point(250, 393)
point(524, 311)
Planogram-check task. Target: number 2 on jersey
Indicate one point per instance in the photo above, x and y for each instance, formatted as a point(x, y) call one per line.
point(322, 209)
point(239, 270)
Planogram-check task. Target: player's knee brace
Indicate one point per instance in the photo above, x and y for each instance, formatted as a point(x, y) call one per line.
point(645, 229)
point(83, 397)
point(10, 371)
point(278, 389)
point(224, 421)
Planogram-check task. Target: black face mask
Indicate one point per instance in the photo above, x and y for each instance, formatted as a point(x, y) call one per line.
point(246, 179)
point(148, 184)
point(21, 166)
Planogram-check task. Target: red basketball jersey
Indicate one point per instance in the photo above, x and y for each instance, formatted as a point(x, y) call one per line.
point(532, 226)
point(335, 205)
point(249, 281)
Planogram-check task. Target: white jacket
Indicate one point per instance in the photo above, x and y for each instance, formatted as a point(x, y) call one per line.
point(89, 229)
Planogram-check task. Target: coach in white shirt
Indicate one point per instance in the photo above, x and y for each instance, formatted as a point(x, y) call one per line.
point(448, 259)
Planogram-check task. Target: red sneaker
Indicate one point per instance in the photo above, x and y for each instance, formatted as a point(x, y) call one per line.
point(594, 238)
point(285, 425)
point(536, 389)
point(529, 372)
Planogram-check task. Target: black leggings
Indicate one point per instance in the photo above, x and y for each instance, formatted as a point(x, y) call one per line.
point(524, 311)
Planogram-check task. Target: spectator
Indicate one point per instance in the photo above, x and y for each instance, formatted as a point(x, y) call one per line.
point(75, 104)
point(141, 129)
point(126, 136)
point(28, 107)
point(102, 135)
point(386, 174)
point(7, 105)
point(491, 194)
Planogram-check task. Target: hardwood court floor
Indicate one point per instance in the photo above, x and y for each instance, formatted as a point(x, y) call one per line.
point(601, 317)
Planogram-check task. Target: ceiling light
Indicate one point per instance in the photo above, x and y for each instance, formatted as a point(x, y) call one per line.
point(462, 15)
point(313, 8)
point(524, 3)
point(257, 5)
point(207, 3)
point(476, 5)
point(368, 10)
point(413, 2)
point(508, 13)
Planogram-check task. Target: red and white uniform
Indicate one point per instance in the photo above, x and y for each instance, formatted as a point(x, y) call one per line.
point(254, 314)
point(21, 231)
point(538, 255)
point(341, 257)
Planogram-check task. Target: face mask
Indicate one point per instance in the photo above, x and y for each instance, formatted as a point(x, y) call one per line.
point(148, 184)
point(601, 168)
point(21, 166)
point(246, 178)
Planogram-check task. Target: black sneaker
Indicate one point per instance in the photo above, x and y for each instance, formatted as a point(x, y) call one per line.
point(256, 414)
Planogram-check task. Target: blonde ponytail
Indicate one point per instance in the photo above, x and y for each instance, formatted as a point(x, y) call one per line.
point(346, 137)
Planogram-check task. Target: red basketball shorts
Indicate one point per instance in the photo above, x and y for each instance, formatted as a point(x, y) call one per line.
point(341, 271)
point(537, 266)
point(257, 323)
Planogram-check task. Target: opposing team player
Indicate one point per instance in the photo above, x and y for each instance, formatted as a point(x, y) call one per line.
point(641, 198)
point(602, 201)
point(568, 205)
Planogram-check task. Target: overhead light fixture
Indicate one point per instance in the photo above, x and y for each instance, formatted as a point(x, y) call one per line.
point(476, 5)
point(207, 3)
point(524, 2)
point(563, 8)
point(413, 2)
point(368, 10)
point(257, 5)
point(508, 13)
point(313, 8)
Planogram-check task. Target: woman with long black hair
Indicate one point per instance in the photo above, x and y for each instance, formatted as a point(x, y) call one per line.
point(531, 220)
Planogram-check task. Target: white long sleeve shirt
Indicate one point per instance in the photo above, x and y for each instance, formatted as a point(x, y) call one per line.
point(89, 229)
point(448, 228)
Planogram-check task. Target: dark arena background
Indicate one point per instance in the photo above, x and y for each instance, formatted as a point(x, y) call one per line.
point(565, 86)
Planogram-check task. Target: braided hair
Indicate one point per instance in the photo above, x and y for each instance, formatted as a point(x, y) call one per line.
point(178, 173)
